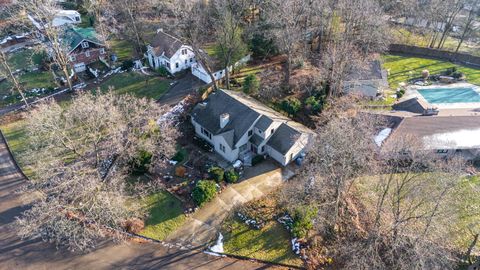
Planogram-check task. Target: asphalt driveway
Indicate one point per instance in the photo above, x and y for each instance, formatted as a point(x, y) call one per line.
point(180, 89)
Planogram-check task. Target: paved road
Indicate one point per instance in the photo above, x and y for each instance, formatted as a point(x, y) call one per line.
point(34, 254)
point(204, 224)
point(183, 86)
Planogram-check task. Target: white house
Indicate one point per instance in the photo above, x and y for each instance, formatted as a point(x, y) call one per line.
point(170, 52)
point(239, 127)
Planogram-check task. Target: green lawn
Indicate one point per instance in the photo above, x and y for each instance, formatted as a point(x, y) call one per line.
point(402, 68)
point(24, 59)
point(271, 243)
point(136, 84)
point(16, 135)
point(165, 215)
point(122, 48)
point(29, 80)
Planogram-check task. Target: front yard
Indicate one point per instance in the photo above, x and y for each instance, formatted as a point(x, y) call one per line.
point(402, 68)
point(271, 243)
point(165, 215)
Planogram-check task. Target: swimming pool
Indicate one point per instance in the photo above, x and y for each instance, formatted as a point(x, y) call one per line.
point(450, 95)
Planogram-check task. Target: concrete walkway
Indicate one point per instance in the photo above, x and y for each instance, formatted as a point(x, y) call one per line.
point(204, 224)
point(16, 253)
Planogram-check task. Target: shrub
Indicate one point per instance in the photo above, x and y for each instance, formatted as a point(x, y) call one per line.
point(204, 192)
point(216, 173)
point(127, 64)
point(251, 84)
point(231, 176)
point(180, 155)
point(303, 220)
point(314, 105)
point(261, 46)
point(291, 105)
point(457, 75)
point(141, 162)
point(257, 159)
point(162, 71)
point(400, 93)
point(425, 74)
point(450, 71)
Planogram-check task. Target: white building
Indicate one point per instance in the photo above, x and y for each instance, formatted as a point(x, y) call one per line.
point(170, 52)
point(63, 17)
point(239, 127)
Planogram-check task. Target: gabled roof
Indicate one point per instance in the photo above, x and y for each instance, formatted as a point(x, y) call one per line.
point(414, 105)
point(283, 139)
point(165, 43)
point(263, 123)
point(241, 117)
point(74, 36)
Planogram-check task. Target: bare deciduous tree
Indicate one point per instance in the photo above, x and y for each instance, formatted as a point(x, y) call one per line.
point(81, 155)
point(6, 71)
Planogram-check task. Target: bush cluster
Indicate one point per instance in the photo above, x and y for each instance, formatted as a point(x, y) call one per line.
point(204, 191)
point(291, 105)
point(216, 173)
point(303, 220)
point(251, 84)
point(231, 176)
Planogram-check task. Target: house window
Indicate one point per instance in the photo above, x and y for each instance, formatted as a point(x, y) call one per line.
point(168, 65)
point(206, 133)
point(176, 65)
point(271, 132)
point(72, 58)
point(185, 61)
point(222, 147)
point(250, 133)
point(263, 148)
point(84, 44)
point(77, 19)
point(442, 151)
point(102, 50)
point(191, 59)
point(87, 53)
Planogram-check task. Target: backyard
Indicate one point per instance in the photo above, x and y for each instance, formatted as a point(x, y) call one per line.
point(401, 68)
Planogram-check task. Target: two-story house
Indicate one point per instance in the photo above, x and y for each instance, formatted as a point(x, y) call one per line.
point(170, 52)
point(84, 47)
point(239, 127)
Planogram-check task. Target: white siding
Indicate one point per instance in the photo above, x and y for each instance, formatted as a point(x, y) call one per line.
point(158, 61)
point(199, 72)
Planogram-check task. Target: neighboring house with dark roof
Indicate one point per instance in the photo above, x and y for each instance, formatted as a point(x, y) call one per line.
point(84, 47)
point(170, 52)
point(369, 81)
point(443, 135)
point(239, 127)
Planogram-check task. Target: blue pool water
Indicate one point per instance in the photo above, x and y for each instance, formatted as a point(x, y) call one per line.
point(450, 95)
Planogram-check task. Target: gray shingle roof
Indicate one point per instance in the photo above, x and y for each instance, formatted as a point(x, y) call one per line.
point(263, 123)
point(217, 103)
point(165, 43)
point(283, 138)
point(229, 138)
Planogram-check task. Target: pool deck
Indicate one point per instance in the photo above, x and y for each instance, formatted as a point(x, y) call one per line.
point(442, 112)
point(412, 92)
